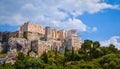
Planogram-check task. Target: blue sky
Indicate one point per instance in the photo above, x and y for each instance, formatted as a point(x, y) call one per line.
point(97, 20)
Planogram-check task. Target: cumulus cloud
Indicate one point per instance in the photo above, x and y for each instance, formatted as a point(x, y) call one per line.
point(76, 24)
point(57, 14)
point(113, 40)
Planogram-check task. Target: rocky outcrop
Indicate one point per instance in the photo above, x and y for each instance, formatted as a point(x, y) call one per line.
point(32, 54)
point(12, 53)
point(20, 44)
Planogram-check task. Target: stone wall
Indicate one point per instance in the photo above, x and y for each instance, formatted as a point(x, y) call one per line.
point(1, 47)
point(51, 34)
point(32, 36)
point(56, 45)
point(32, 31)
point(75, 42)
point(31, 27)
point(48, 33)
point(72, 32)
point(29, 31)
point(62, 34)
point(39, 46)
point(0, 36)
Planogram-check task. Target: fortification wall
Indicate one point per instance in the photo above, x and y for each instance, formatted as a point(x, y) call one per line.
point(30, 27)
point(51, 34)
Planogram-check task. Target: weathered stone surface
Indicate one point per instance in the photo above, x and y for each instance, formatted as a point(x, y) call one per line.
point(1, 47)
point(72, 32)
point(51, 34)
point(12, 53)
point(32, 31)
point(32, 27)
point(40, 46)
point(56, 45)
point(0, 36)
point(62, 34)
point(19, 44)
point(32, 54)
point(33, 36)
point(27, 48)
point(62, 50)
point(73, 40)
point(48, 33)
point(4, 36)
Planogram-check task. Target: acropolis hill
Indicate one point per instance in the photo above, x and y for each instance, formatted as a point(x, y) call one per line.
point(34, 39)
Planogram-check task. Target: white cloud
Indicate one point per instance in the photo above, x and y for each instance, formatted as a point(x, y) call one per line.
point(16, 19)
point(29, 6)
point(113, 40)
point(58, 14)
point(75, 24)
point(94, 29)
point(78, 7)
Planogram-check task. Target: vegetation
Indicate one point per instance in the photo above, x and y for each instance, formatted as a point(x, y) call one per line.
point(90, 56)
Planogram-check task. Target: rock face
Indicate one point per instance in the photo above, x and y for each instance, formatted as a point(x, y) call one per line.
point(19, 44)
point(12, 53)
point(32, 54)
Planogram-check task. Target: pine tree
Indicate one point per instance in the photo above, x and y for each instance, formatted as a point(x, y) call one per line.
point(45, 57)
point(72, 56)
point(56, 51)
point(65, 51)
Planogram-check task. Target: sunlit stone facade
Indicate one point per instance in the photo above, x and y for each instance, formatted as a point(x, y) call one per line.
point(51, 34)
point(73, 40)
point(32, 31)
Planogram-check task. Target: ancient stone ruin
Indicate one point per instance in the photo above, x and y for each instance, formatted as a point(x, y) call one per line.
point(35, 38)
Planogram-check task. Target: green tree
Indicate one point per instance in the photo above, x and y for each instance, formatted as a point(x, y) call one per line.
point(110, 61)
point(56, 52)
point(45, 57)
point(20, 56)
point(112, 48)
point(72, 55)
point(19, 64)
point(87, 47)
point(95, 50)
point(6, 66)
point(33, 63)
point(96, 44)
point(65, 51)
